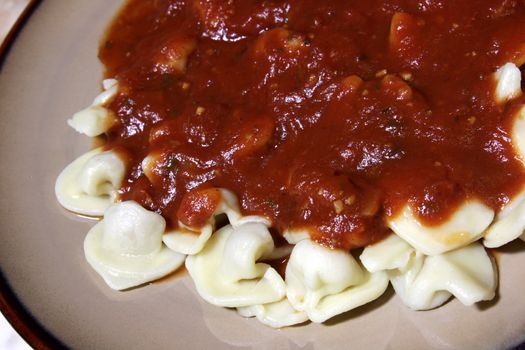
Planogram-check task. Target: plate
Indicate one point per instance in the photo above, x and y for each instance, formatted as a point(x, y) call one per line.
point(52, 71)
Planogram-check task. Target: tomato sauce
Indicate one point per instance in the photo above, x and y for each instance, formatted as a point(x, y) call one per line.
point(328, 116)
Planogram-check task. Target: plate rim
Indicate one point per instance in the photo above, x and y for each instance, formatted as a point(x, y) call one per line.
point(16, 313)
point(20, 318)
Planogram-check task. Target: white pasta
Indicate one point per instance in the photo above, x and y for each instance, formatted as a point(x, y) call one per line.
point(126, 248)
point(467, 273)
point(466, 225)
point(392, 253)
point(425, 282)
point(277, 252)
point(295, 236)
point(509, 223)
point(96, 119)
point(324, 283)
point(508, 83)
point(518, 133)
point(148, 166)
point(89, 184)
point(187, 241)
point(227, 272)
point(190, 241)
point(277, 315)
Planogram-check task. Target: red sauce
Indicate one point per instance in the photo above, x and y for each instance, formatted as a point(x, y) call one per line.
point(325, 115)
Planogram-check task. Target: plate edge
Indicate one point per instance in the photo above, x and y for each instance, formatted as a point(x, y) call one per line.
point(32, 331)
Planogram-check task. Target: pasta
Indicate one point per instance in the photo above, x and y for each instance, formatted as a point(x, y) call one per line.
point(263, 162)
point(277, 315)
point(508, 86)
point(466, 225)
point(426, 282)
point(96, 120)
point(325, 283)
point(467, 273)
point(89, 184)
point(126, 249)
point(508, 225)
point(227, 272)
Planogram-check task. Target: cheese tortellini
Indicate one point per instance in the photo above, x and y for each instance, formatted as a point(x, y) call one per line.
point(126, 248)
point(425, 282)
point(508, 225)
point(466, 225)
point(227, 272)
point(319, 283)
point(89, 184)
point(324, 283)
point(96, 120)
point(510, 221)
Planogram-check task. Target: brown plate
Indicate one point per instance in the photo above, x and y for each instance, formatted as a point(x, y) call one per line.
point(50, 72)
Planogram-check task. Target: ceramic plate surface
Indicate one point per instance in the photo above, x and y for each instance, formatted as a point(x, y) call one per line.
point(52, 71)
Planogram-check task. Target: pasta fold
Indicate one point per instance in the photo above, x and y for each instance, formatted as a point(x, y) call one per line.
point(276, 315)
point(295, 236)
point(508, 225)
point(227, 272)
point(426, 282)
point(96, 120)
point(89, 184)
point(510, 221)
point(466, 225)
point(324, 283)
point(126, 248)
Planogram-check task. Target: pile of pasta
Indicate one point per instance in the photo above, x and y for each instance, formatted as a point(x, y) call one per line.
point(426, 266)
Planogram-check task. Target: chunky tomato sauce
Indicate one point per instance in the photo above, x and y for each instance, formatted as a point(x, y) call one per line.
point(327, 115)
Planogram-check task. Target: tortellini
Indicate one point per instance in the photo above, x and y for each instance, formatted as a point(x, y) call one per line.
point(126, 248)
point(227, 272)
point(508, 83)
point(130, 247)
point(466, 225)
point(425, 282)
point(186, 241)
point(510, 221)
point(324, 283)
point(90, 183)
point(509, 224)
point(96, 120)
point(277, 315)
point(190, 241)
point(320, 283)
point(389, 254)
